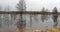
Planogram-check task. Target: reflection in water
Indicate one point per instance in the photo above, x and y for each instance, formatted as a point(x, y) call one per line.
point(6, 20)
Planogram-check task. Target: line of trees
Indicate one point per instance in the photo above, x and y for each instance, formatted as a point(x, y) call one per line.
point(44, 17)
point(22, 7)
point(5, 18)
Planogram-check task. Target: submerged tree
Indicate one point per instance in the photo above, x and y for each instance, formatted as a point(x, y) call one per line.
point(30, 21)
point(36, 17)
point(0, 17)
point(21, 6)
point(7, 16)
point(55, 17)
point(44, 16)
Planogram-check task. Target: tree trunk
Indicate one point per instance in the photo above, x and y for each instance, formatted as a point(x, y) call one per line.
point(55, 21)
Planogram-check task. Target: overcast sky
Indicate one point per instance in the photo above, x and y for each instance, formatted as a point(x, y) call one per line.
point(35, 5)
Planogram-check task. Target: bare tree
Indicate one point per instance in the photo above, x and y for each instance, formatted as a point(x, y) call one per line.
point(30, 21)
point(0, 8)
point(7, 16)
point(7, 8)
point(0, 17)
point(55, 17)
point(0, 21)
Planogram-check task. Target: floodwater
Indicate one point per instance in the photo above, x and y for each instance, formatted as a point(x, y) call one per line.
point(35, 24)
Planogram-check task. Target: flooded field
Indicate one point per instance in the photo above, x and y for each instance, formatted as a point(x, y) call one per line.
point(29, 16)
point(34, 24)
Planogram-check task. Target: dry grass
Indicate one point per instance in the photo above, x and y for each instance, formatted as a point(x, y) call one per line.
point(13, 28)
point(48, 30)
